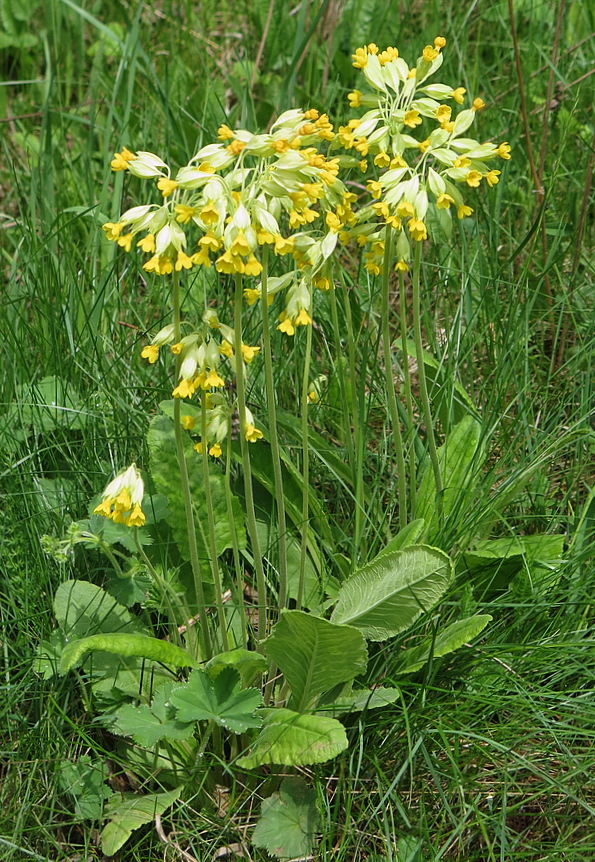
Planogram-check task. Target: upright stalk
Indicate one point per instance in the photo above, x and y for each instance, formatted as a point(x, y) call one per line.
point(305, 470)
point(390, 382)
point(273, 436)
point(423, 387)
point(244, 445)
point(211, 522)
point(239, 581)
point(408, 395)
point(186, 494)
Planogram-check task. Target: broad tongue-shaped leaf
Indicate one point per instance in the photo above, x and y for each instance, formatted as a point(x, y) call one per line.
point(386, 596)
point(315, 655)
point(448, 640)
point(127, 812)
point(293, 739)
point(220, 700)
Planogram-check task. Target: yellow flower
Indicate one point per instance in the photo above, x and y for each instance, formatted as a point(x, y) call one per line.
point(136, 518)
point(183, 261)
point(125, 241)
point(210, 242)
point(401, 266)
point(112, 230)
point(215, 450)
point(150, 352)
point(201, 258)
point(236, 147)
point(206, 168)
point(398, 162)
point(360, 58)
point(240, 244)
point(448, 127)
point(382, 160)
point(395, 222)
point(461, 162)
point(444, 201)
point(123, 494)
point(252, 266)
point(492, 178)
point(285, 324)
point(166, 187)
point(503, 150)
point(213, 379)
point(311, 114)
point(184, 213)
point(473, 179)
point(320, 282)
point(209, 214)
point(198, 447)
point(248, 352)
point(176, 349)
point(372, 48)
point(354, 98)
point(381, 209)
point(187, 422)
point(388, 55)
point(405, 209)
point(303, 318)
point(224, 133)
point(417, 229)
point(333, 222)
point(281, 145)
point(375, 188)
point(463, 211)
point(307, 129)
point(429, 53)
point(265, 237)
point(412, 119)
point(458, 95)
point(251, 295)
point(443, 113)
point(252, 434)
point(363, 166)
point(184, 389)
point(282, 245)
point(439, 42)
point(229, 263)
point(478, 104)
point(121, 161)
point(423, 145)
point(147, 243)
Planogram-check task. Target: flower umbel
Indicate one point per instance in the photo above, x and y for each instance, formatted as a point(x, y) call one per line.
point(121, 501)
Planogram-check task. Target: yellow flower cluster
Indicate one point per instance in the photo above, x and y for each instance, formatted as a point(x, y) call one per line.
point(421, 175)
point(121, 501)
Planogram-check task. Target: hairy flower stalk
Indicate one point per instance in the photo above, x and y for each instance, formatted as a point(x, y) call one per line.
point(305, 471)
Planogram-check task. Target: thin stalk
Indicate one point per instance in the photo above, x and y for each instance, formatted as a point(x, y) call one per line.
point(390, 382)
point(348, 436)
point(211, 522)
point(305, 470)
point(186, 494)
point(244, 445)
point(423, 386)
point(234, 545)
point(408, 395)
point(357, 431)
point(273, 436)
point(166, 589)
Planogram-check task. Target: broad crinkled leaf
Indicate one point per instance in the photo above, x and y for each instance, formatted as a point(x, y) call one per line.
point(288, 820)
point(315, 655)
point(453, 637)
point(126, 645)
point(293, 739)
point(128, 812)
point(386, 596)
point(166, 475)
point(82, 609)
point(220, 700)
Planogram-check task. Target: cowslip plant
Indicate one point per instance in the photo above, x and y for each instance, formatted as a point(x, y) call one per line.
point(264, 654)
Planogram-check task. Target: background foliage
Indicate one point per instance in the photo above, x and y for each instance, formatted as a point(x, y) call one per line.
point(488, 754)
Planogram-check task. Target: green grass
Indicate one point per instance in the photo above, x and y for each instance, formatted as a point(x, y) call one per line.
point(488, 755)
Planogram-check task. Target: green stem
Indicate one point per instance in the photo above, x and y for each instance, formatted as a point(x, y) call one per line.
point(408, 395)
point(186, 494)
point(273, 436)
point(305, 467)
point(390, 382)
point(183, 613)
point(239, 584)
point(357, 431)
point(423, 387)
point(244, 445)
point(211, 522)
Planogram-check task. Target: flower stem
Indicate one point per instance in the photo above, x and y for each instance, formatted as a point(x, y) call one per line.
point(239, 585)
point(273, 436)
point(305, 470)
point(423, 387)
point(211, 522)
point(390, 382)
point(244, 445)
point(408, 395)
point(186, 494)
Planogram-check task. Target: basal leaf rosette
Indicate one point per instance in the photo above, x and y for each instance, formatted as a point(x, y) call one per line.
point(427, 164)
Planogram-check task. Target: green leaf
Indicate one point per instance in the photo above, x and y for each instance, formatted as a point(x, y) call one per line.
point(409, 535)
point(288, 820)
point(82, 609)
point(126, 645)
point(130, 588)
point(292, 739)
point(85, 781)
point(386, 596)
point(315, 655)
point(448, 640)
point(220, 700)
point(166, 475)
point(460, 458)
point(128, 812)
point(248, 664)
point(361, 699)
point(147, 725)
